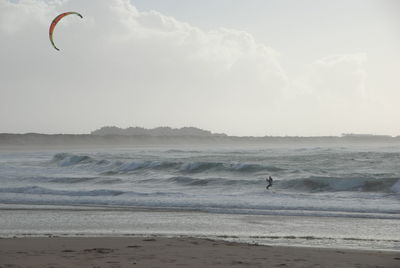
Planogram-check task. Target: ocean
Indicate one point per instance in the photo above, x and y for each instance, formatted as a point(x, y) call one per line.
point(331, 196)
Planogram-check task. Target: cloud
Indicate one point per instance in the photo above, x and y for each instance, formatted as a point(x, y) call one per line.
point(129, 66)
point(340, 76)
point(331, 96)
point(121, 66)
point(17, 16)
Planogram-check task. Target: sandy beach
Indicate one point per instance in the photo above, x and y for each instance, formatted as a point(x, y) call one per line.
point(156, 251)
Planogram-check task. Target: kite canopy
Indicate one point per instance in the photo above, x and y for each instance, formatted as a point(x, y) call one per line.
point(54, 23)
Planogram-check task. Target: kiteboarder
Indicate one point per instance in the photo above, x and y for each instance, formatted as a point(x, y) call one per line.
point(269, 180)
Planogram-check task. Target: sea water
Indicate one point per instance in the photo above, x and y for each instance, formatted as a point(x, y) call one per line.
point(319, 193)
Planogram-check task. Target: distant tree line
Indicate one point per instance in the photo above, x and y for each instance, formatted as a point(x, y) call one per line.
point(158, 131)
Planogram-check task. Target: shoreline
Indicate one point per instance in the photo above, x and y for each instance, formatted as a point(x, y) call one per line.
point(156, 251)
point(27, 221)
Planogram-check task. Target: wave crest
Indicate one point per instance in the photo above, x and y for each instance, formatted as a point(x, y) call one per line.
point(126, 167)
point(189, 181)
point(334, 184)
point(66, 159)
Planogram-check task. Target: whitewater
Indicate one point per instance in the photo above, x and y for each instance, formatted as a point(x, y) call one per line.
point(317, 182)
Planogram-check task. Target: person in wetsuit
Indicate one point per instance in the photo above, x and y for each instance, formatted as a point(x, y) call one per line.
point(269, 180)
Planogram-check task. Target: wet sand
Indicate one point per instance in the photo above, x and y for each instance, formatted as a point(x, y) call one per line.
point(113, 252)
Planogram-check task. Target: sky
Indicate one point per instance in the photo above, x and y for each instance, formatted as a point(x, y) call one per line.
point(246, 68)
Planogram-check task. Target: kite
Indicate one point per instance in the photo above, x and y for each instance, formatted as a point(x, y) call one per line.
point(54, 23)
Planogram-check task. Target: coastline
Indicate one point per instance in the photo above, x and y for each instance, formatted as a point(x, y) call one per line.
point(155, 251)
point(30, 221)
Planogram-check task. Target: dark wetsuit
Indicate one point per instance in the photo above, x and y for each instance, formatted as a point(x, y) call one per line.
point(269, 182)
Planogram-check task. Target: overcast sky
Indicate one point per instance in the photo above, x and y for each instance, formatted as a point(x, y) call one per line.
point(241, 67)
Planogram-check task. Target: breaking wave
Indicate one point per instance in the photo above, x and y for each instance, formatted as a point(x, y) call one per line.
point(186, 173)
point(206, 173)
point(334, 184)
point(65, 159)
point(126, 167)
point(189, 181)
point(310, 185)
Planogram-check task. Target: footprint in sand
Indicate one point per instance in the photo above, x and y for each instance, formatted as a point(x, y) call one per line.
point(149, 240)
point(99, 250)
